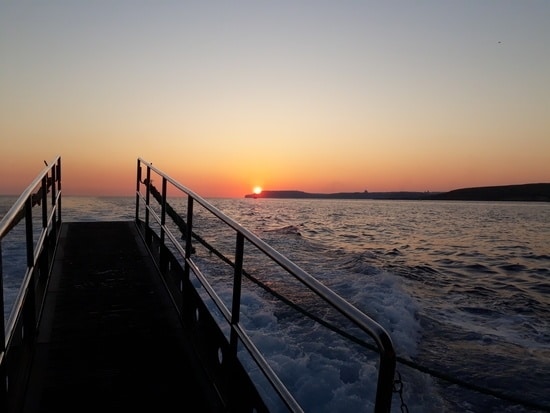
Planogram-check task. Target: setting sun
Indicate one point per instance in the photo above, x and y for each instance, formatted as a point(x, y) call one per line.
point(257, 190)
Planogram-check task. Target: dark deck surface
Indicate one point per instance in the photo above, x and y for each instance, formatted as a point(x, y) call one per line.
point(109, 339)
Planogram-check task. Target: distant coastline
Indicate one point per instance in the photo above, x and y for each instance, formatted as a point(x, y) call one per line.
point(538, 192)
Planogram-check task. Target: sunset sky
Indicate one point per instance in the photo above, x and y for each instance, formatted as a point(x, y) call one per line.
point(320, 96)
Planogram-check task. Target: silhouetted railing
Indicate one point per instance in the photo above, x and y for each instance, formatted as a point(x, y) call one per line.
point(152, 210)
point(18, 333)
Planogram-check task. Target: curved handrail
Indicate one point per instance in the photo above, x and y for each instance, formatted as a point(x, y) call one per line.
point(27, 306)
point(13, 215)
point(364, 322)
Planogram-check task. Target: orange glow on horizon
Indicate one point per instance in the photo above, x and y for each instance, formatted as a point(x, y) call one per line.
point(116, 176)
point(223, 117)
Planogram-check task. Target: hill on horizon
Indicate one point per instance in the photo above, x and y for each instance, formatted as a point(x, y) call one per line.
point(535, 192)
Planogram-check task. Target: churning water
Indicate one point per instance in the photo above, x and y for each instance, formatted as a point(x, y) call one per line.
point(463, 288)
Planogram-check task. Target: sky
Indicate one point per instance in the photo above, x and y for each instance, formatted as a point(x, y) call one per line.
point(319, 96)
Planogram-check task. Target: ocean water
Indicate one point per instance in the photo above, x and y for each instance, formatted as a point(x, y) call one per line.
point(463, 288)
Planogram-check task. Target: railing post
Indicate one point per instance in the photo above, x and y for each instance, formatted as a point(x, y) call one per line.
point(162, 252)
point(148, 234)
point(2, 312)
point(3, 386)
point(163, 210)
point(54, 198)
point(236, 301)
point(28, 233)
point(188, 234)
point(58, 181)
point(45, 255)
point(3, 362)
point(138, 181)
point(44, 201)
point(384, 388)
point(30, 309)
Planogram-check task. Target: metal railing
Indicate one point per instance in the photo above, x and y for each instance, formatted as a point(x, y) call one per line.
point(155, 214)
point(18, 333)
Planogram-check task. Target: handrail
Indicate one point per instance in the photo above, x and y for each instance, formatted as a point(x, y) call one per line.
point(21, 327)
point(365, 323)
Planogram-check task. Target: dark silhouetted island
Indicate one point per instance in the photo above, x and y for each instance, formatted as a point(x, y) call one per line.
point(527, 192)
point(338, 195)
point(539, 192)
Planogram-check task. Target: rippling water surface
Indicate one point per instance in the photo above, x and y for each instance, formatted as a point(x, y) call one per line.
point(462, 287)
point(476, 278)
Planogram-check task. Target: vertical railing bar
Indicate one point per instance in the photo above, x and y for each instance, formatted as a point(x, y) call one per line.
point(384, 388)
point(53, 200)
point(147, 195)
point(3, 368)
point(162, 251)
point(2, 312)
point(237, 284)
point(58, 179)
point(188, 234)
point(163, 210)
point(29, 309)
point(28, 232)
point(44, 254)
point(138, 181)
point(44, 201)
point(187, 258)
point(148, 234)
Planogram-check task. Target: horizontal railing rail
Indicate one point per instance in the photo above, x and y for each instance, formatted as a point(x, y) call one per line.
point(157, 216)
point(18, 333)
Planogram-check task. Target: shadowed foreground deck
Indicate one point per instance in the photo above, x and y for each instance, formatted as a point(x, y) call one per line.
point(109, 338)
point(121, 316)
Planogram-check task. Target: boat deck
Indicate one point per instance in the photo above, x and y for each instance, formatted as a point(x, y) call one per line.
point(110, 339)
point(120, 316)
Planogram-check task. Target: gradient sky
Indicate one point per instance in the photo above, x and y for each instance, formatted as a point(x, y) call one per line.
point(320, 96)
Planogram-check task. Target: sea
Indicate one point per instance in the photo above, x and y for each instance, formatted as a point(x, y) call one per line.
point(463, 289)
